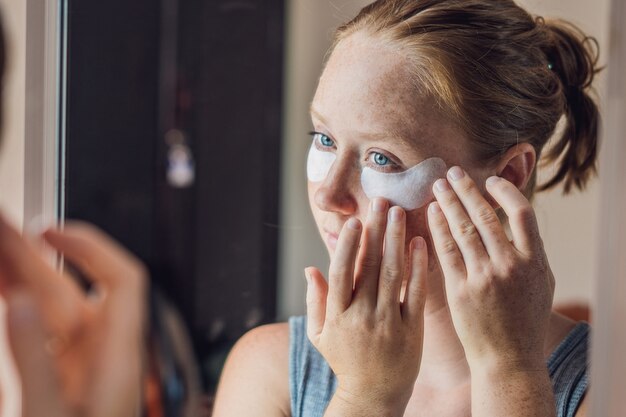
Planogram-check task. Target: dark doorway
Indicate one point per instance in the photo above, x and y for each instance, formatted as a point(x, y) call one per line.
point(173, 147)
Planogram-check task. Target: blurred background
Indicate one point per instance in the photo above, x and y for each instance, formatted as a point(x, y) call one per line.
point(183, 133)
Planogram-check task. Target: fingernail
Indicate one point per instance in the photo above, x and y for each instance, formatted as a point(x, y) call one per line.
point(395, 214)
point(307, 276)
point(419, 242)
point(354, 224)
point(442, 185)
point(434, 208)
point(456, 173)
point(379, 205)
point(492, 180)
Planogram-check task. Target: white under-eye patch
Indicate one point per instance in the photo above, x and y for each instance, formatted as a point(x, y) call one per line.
point(318, 164)
point(410, 189)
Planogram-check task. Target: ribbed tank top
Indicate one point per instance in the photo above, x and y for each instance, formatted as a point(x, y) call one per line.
point(312, 382)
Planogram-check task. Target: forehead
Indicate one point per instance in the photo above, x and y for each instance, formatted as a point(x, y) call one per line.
point(367, 87)
point(365, 78)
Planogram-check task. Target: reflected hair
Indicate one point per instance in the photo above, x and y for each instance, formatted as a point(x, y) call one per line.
point(504, 75)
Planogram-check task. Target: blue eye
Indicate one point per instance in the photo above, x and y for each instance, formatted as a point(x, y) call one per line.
point(380, 159)
point(325, 140)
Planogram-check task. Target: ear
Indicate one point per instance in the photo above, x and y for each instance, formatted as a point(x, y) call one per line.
point(517, 165)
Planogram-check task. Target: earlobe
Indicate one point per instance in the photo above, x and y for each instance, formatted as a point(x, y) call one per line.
point(517, 165)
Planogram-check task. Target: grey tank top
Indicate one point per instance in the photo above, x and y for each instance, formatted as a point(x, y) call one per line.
point(312, 382)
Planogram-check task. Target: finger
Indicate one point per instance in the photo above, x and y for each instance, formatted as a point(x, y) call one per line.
point(98, 256)
point(481, 213)
point(316, 294)
point(392, 265)
point(119, 366)
point(522, 219)
point(460, 225)
point(448, 254)
point(416, 287)
point(122, 278)
point(341, 271)
point(41, 392)
point(22, 267)
point(370, 255)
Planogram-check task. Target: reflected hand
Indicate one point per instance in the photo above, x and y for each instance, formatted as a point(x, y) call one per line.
point(371, 340)
point(78, 355)
point(499, 292)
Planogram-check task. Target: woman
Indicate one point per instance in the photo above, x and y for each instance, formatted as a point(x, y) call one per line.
point(431, 309)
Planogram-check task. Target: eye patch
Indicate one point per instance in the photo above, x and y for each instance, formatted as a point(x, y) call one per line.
point(410, 189)
point(318, 164)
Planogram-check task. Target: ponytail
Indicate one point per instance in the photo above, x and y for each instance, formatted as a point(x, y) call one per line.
point(573, 57)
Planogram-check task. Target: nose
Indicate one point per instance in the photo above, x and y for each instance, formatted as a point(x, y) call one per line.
point(337, 192)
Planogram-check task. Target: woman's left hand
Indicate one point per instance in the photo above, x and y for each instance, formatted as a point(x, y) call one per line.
point(499, 291)
point(78, 354)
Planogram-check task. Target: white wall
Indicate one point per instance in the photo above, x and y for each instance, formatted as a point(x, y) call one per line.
point(12, 168)
point(608, 376)
point(310, 25)
point(568, 224)
point(12, 150)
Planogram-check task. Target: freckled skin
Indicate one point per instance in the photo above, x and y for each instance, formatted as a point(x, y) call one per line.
point(365, 88)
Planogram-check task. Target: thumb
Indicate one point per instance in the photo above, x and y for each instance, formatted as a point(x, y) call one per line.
point(41, 393)
point(317, 290)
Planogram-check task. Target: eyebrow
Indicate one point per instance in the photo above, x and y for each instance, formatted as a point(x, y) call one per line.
point(392, 135)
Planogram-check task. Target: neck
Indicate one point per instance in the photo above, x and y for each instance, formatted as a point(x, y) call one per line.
point(443, 358)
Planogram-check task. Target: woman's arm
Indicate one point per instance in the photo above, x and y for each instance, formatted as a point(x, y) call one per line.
point(499, 291)
point(255, 379)
point(503, 391)
point(371, 339)
point(96, 368)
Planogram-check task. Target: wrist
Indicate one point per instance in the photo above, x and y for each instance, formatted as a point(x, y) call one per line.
point(516, 367)
point(507, 362)
point(505, 390)
point(366, 402)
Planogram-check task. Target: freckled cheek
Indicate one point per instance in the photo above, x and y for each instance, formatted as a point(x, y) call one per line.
point(416, 224)
point(312, 188)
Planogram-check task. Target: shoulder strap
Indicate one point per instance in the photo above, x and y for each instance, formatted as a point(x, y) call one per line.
point(311, 381)
point(568, 370)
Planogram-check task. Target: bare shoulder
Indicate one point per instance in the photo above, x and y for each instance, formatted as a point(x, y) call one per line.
point(255, 379)
point(270, 340)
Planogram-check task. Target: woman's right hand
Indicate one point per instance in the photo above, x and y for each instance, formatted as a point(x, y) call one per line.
point(371, 340)
point(78, 355)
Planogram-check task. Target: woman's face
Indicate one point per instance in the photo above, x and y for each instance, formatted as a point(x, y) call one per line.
point(366, 111)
